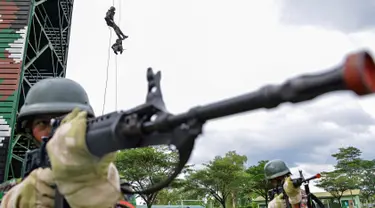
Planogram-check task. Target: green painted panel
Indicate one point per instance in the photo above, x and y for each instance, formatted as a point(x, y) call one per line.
point(6, 35)
point(12, 46)
point(6, 104)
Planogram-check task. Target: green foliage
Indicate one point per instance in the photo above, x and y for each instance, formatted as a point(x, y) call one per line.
point(348, 159)
point(351, 172)
point(335, 183)
point(257, 182)
point(145, 167)
point(226, 182)
point(220, 178)
point(367, 180)
point(349, 162)
point(167, 196)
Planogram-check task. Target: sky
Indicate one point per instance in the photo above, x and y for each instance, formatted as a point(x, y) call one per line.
point(215, 49)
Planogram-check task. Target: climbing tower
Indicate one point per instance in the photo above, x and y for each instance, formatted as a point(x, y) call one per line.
point(34, 40)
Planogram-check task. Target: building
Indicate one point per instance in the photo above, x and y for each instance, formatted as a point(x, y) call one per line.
point(328, 200)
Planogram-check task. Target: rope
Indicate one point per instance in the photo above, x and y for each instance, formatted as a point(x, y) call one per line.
point(107, 71)
point(116, 71)
point(108, 60)
point(116, 83)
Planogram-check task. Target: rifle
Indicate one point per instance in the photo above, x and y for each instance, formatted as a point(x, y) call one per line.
point(151, 124)
point(305, 181)
point(297, 182)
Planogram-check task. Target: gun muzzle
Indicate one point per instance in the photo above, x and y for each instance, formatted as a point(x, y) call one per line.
point(359, 73)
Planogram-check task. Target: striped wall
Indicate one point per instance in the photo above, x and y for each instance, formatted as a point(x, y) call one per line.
point(14, 18)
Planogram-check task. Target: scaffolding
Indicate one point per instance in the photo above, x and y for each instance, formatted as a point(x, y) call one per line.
point(46, 53)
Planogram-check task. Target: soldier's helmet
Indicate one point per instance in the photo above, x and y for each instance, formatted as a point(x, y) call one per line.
point(53, 96)
point(112, 8)
point(275, 168)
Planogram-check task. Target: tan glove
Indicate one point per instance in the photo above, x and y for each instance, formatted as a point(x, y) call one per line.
point(83, 179)
point(294, 194)
point(35, 191)
point(277, 202)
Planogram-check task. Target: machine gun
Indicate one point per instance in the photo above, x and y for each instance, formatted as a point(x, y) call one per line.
point(151, 124)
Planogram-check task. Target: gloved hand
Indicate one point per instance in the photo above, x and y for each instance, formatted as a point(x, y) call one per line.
point(277, 202)
point(83, 179)
point(35, 191)
point(293, 193)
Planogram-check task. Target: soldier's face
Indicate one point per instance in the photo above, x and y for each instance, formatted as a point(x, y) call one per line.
point(276, 181)
point(41, 127)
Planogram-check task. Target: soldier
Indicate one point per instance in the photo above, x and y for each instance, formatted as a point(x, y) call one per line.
point(84, 180)
point(117, 47)
point(278, 173)
point(109, 18)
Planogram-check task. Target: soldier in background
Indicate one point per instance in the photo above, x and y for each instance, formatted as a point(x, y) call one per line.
point(109, 18)
point(278, 174)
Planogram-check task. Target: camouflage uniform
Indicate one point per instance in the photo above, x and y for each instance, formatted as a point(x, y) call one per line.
point(84, 180)
point(278, 170)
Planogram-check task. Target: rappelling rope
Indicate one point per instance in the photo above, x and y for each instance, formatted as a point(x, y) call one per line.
point(108, 61)
point(116, 71)
point(106, 77)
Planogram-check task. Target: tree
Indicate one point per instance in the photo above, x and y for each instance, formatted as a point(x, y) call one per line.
point(146, 167)
point(258, 183)
point(167, 196)
point(367, 180)
point(334, 182)
point(221, 178)
point(349, 163)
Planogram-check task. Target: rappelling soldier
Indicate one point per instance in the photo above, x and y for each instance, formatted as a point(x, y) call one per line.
point(117, 47)
point(79, 176)
point(109, 18)
point(278, 174)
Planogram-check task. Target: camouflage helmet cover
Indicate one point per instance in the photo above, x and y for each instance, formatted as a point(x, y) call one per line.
point(53, 96)
point(275, 168)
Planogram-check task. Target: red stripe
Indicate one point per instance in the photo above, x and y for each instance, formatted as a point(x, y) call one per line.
point(125, 203)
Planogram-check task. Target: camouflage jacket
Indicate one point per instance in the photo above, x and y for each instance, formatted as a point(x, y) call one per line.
point(277, 203)
point(10, 190)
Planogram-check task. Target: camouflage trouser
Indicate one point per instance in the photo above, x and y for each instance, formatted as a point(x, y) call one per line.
point(116, 28)
point(119, 33)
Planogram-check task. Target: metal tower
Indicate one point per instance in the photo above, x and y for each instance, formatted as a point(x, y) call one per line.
point(34, 40)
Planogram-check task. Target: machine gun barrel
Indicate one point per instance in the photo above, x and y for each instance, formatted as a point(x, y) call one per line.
point(356, 74)
point(135, 128)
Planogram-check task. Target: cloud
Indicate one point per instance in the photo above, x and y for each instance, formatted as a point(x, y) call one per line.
point(306, 134)
point(344, 15)
point(211, 50)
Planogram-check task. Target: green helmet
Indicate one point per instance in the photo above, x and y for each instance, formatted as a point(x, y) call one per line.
point(275, 168)
point(53, 96)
